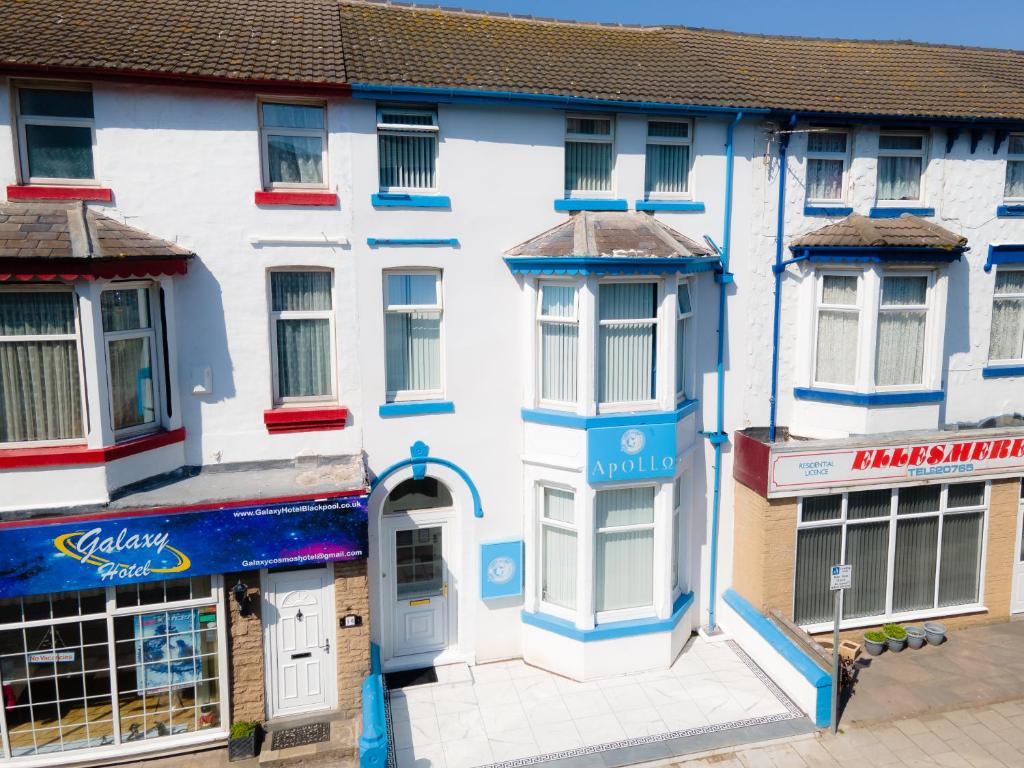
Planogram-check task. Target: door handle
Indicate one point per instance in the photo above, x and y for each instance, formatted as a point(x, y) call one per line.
point(327, 645)
point(444, 591)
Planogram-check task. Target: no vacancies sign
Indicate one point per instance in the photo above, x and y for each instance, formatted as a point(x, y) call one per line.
point(792, 472)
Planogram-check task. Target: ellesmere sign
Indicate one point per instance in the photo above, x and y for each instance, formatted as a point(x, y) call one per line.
point(793, 472)
point(61, 554)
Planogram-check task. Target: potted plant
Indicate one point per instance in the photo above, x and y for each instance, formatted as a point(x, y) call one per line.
point(935, 632)
point(895, 637)
point(874, 642)
point(915, 637)
point(245, 740)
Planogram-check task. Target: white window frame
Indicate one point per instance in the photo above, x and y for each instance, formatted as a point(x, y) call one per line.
point(590, 138)
point(671, 141)
point(569, 614)
point(410, 395)
point(404, 129)
point(77, 338)
point(820, 155)
point(266, 132)
point(640, 611)
point(819, 307)
point(684, 325)
point(926, 308)
point(678, 532)
point(1018, 296)
point(893, 518)
point(1012, 157)
point(329, 315)
point(543, 320)
point(71, 122)
point(655, 321)
point(922, 153)
point(155, 351)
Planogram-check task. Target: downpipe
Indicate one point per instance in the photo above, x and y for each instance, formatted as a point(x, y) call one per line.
point(778, 269)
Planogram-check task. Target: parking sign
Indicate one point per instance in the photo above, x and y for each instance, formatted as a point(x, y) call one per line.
point(841, 577)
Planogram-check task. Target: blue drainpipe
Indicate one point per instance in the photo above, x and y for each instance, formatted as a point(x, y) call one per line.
point(778, 269)
point(718, 437)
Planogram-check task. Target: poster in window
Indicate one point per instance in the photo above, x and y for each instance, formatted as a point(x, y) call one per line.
point(166, 646)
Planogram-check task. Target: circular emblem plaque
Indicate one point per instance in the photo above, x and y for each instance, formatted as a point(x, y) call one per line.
point(633, 441)
point(501, 570)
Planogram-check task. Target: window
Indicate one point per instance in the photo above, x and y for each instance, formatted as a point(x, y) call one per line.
point(412, 320)
point(668, 158)
point(1014, 189)
point(55, 134)
point(557, 316)
point(902, 321)
point(589, 155)
point(912, 549)
point(302, 331)
point(40, 386)
point(680, 520)
point(838, 322)
point(558, 549)
point(628, 323)
point(624, 549)
point(407, 149)
point(130, 342)
point(685, 311)
point(1007, 342)
point(826, 166)
point(409, 495)
point(900, 166)
point(294, 141)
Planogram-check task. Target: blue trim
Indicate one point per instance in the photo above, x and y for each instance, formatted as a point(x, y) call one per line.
point(868, 398)
point(402, 200)
point(669, 205)
point(416, 407)
point(1001, 371)
point(1004, 254)
point(612, 630)
point(790, 651)
point(609, 265)
point(1010, 211)
point(880, 212)
point(827, 210)
point(373, 742)
point(376, 242)
point(873, 254)
point(418, 460)
point(635, 418)
point(570, 204)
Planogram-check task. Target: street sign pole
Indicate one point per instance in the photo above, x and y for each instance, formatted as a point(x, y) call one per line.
point(840, 578)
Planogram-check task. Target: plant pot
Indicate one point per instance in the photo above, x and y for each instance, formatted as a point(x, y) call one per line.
point(915, 637)
point(935, 633)
point(873, 647)
point(245, 748)
point(895, 645)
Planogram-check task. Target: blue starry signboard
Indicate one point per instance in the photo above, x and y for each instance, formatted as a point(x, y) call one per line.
point(501, 569)
point(618, 454)
point(59, 555)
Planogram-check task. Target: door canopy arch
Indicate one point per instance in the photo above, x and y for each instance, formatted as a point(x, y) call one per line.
point(418, 460)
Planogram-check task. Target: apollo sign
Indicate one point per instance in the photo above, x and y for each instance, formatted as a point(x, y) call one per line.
point(617, 454)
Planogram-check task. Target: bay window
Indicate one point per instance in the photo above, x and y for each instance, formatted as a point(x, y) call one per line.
point(667, 171)
point(684, 313)
point(294, 144)
point(624, 549)
point(412, 320)
point(900, 166)
point(1007, 340)
point(913, 549)
point(302, 335)
point(558, 542)
point(902, 321)
point(558, 320)
point(1014, 187)
point(131, 345)
point(407, 149)
point(838, 320)
point(627, 341)
point(40, 380)
point(827, 160)
point(55, 133)
point(589, 155)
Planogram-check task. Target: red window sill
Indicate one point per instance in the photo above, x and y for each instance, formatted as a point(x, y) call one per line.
point(69, 455)
point(296, 198)
point(38, 192)
point(281, 420)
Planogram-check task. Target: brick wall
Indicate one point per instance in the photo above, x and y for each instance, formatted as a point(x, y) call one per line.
point(764, 554)
point(245, 650)
point(352, 595)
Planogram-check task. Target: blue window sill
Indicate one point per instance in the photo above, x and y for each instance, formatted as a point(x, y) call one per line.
point(895, 212)
point(670, 205)
point(868, 399)
point(377, 242)
point(570, 205)
point(637, 418)
point(614, 629)
point(1009, 211)
point(827, 210)
point(400, 200)
point(416, 408)
point(1001, 371)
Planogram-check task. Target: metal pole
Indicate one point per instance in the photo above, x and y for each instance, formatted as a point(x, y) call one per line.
point(837, 598)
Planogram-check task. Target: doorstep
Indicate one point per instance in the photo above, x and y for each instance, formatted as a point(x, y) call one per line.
point(340, 751)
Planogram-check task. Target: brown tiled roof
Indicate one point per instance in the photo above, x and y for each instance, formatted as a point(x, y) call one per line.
point(904, 232)
point(610, 234)
point(270, 40)
point(71, 231)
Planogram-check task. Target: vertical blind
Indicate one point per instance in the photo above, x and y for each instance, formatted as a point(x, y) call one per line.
point(413, 333)
point(668, 157)
point(558, 544)
point(624, 548)
point(817, 550)
point(899, 358)
point(559, 343)
point(627, 314)
point(685, 309)
point(588, 166)
point(303, 343)
point(407, 158)
point(1007, 342)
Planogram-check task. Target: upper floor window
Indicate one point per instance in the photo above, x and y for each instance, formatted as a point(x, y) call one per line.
point(302, 335)
point(55, 134)
point(627, 342)
point(1007, 341)
point(1014, 189)
point(668, 158)
point(407, 149)
point(294, 142)
point(827, 160)
point(40, 384)
point(589, 155)
point(900, 166)
point(130, 341)
point(683, 314)
point(412, 327)
point(558, 320)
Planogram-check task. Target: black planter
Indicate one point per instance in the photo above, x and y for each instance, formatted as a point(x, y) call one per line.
point(245, 748)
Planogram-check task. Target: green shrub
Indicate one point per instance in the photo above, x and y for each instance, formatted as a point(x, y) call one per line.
point(243, 729)
point(875, 636)
point(895, 631)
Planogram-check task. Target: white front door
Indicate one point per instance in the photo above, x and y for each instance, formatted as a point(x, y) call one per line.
point(299, 629)
point(1017, 597)
point(416, 585)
